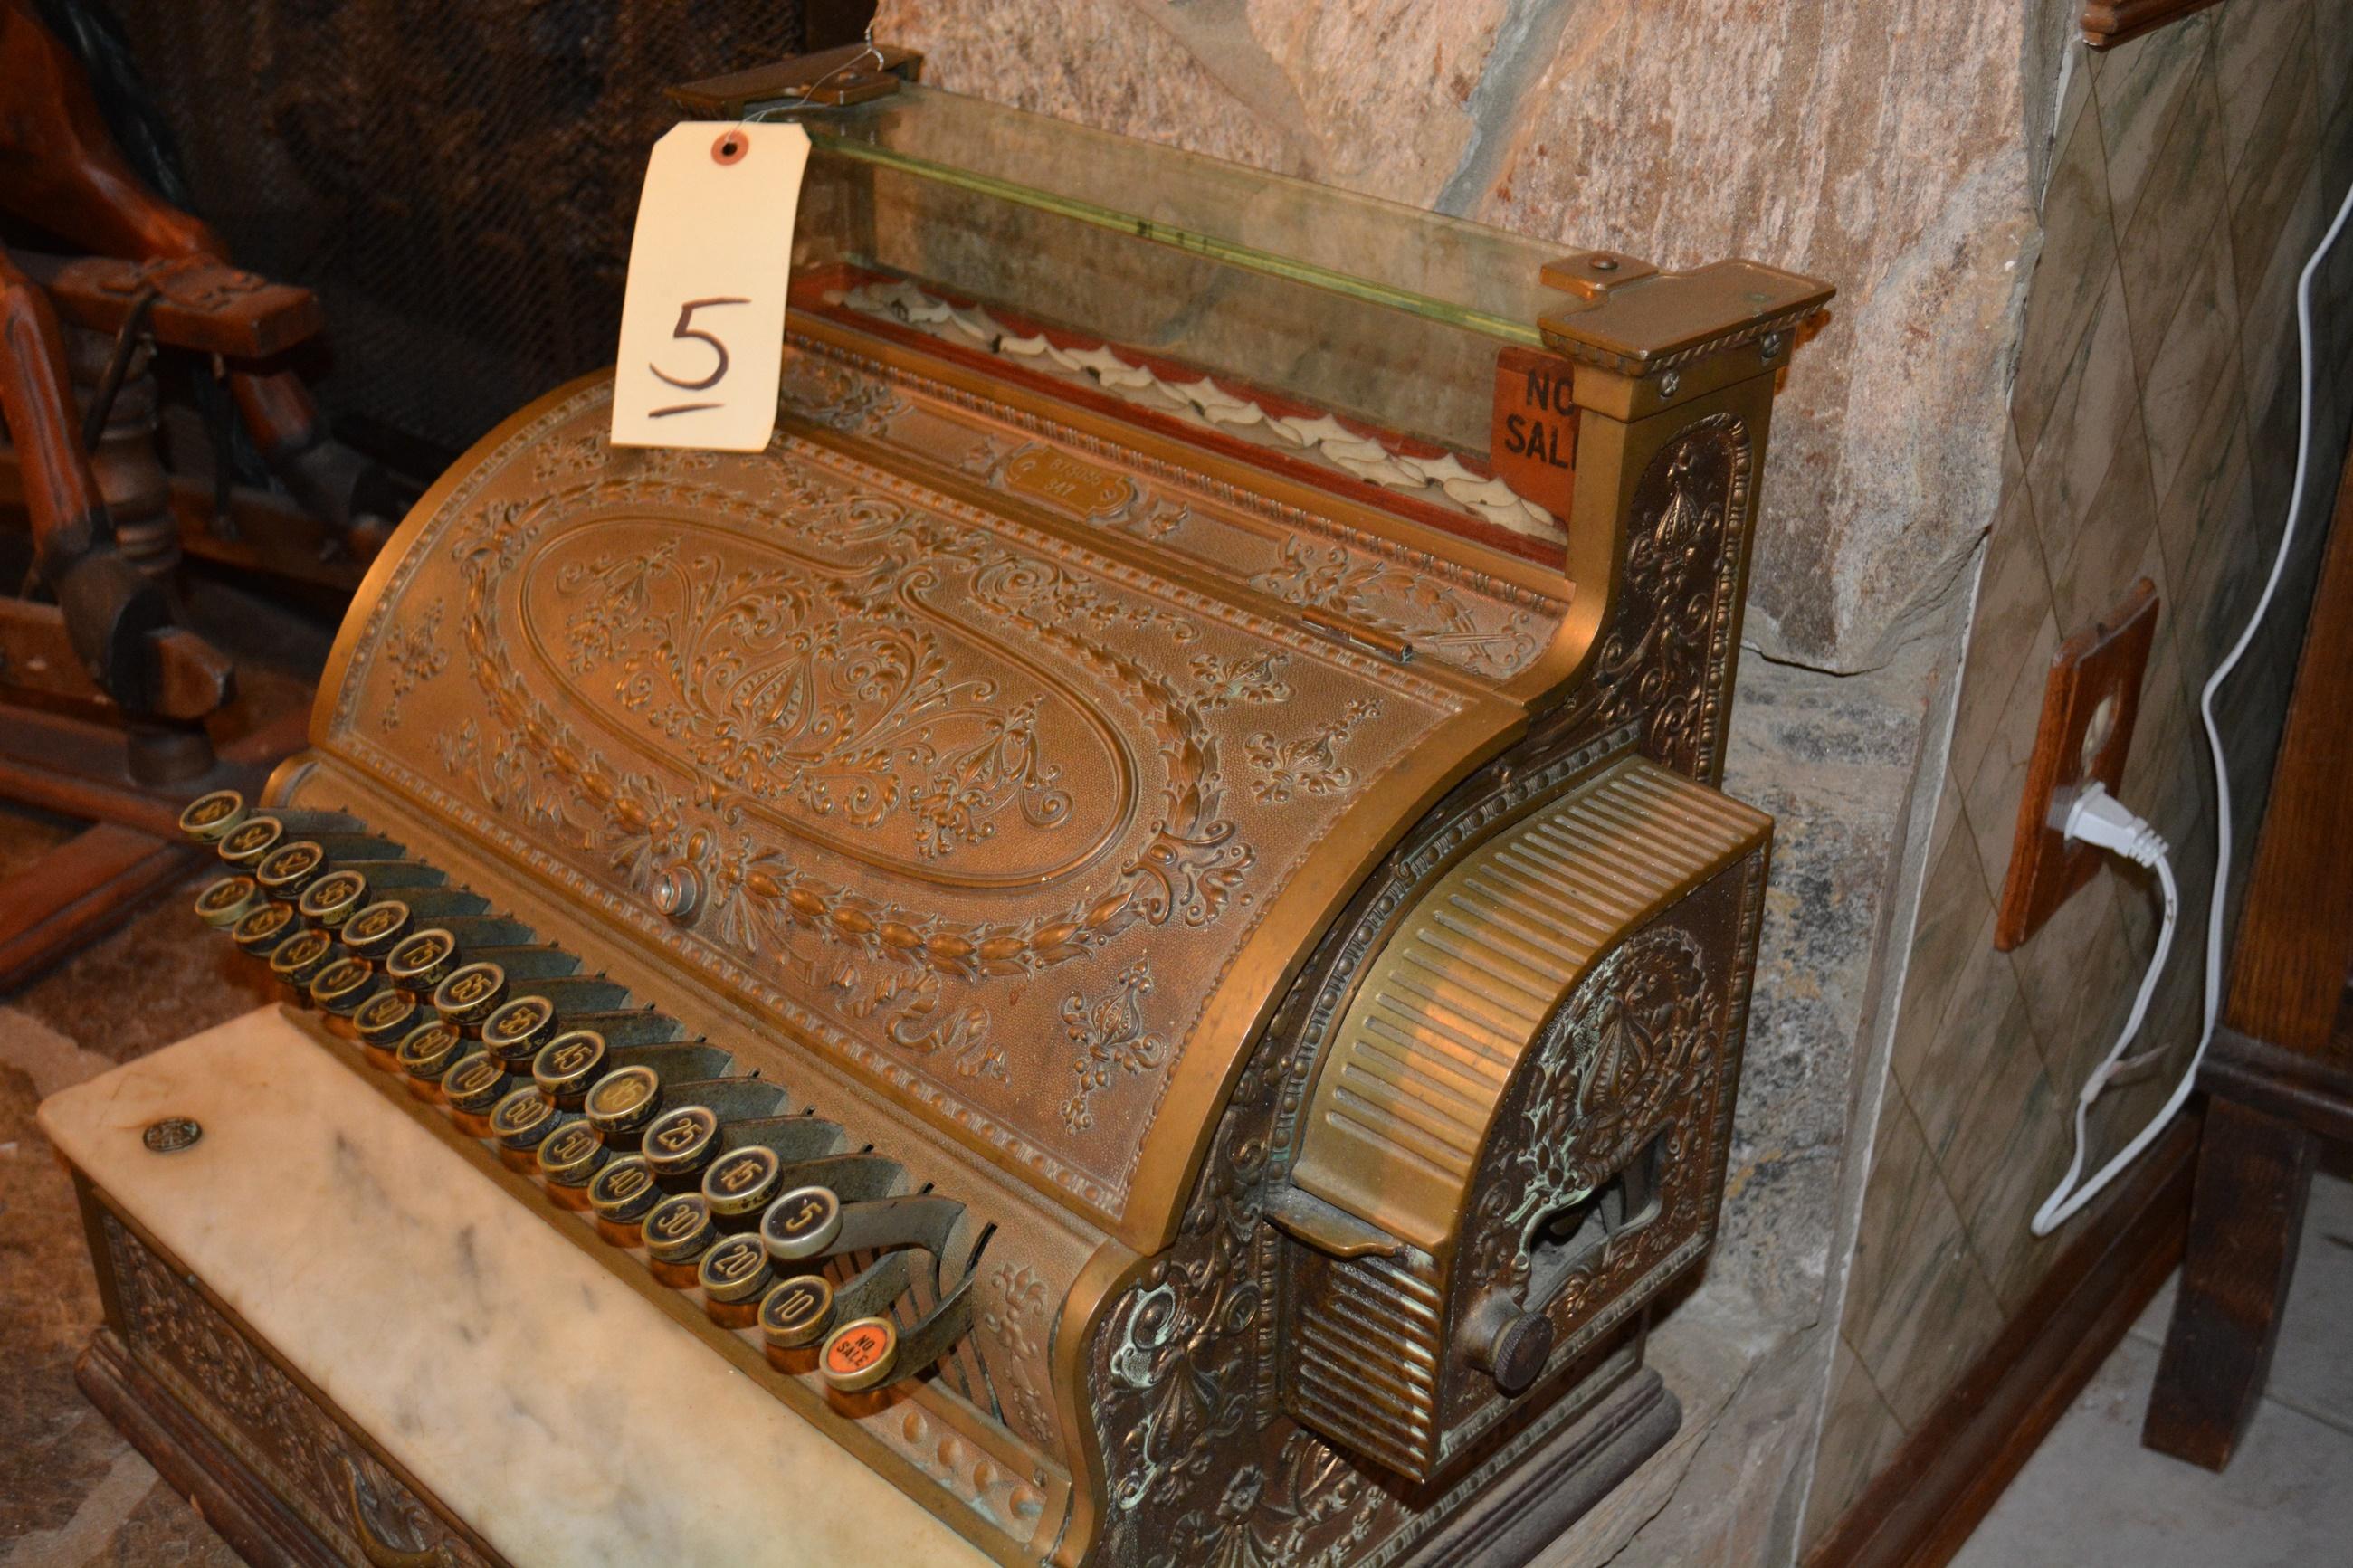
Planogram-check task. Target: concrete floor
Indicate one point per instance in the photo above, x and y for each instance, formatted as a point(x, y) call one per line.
point(2093, 1497)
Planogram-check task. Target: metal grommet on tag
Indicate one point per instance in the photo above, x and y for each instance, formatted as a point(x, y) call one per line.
point(730, 147)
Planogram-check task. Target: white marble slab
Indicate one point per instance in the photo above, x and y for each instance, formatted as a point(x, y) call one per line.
point(563, 1414)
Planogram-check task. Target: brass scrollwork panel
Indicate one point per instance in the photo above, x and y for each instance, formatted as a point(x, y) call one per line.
point(933, 775)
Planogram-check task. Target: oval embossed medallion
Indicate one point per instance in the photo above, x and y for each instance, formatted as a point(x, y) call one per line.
point(833, 695)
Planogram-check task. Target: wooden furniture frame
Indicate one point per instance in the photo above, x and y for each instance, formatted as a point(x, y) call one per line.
point(2279, 1074)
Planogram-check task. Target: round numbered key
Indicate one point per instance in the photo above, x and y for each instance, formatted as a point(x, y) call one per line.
point(209, 818)
point(515, 1028)
point(860, 1354)
point(801, 1224)
point(680, 1141)
point(229, 901)
point(330, 900)
point(427, 1051)
point(736, 1270)
point(678, 1228)
point(301, 956)
point(623, 1101)
point(523, 1118)
point(797, 1311)
point(624, 1189)
point(286, 870)
point(385, 1018)
point(372, 932)
point(568, 1065)
point(418, 961)
point(261, 932)
point(475, 1082)
point(742, 1181)
point(470, 994)
point(249, 840)
point(570, 1155)
point(343, 984)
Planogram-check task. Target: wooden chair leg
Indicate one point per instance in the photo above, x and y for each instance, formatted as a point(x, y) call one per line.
point(2246, 1215)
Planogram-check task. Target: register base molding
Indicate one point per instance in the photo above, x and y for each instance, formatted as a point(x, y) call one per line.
point(213, 1444)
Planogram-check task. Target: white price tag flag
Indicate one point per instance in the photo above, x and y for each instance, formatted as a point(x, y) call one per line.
point(703, 321)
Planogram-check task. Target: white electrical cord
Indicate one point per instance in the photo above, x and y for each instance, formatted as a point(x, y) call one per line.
point(2096, 818)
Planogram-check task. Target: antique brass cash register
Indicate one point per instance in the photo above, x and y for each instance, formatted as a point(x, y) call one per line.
point(1120, 949)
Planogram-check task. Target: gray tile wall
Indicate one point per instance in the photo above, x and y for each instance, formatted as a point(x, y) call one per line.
point(2151, 434)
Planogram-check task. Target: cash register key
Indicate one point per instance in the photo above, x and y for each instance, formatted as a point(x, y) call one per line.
point(736, 1270)
point(680, 1141)
point(571, 1155)
point(343, 984)
point(678, 1227)
point(797, 1311)
point(566, 1065)
point(372, 932)
point(330, 900)
point(475, 1083)
point(249, 840)
point(229, 901)
point(624, 1189)
point(859, 1355)
point(299, 957)
point(209, 818)
point(470, 994)
point(260, 932)
point(522, 1118)
point(286, 870)
point(385, 1018)
point(801, 1224)
point(623, 1101)
point(517, 1027)
point(426, 1050)
point(742, 1181)
point(418, 961)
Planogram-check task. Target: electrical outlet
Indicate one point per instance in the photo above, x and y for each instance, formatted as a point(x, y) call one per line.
point(2088, 708)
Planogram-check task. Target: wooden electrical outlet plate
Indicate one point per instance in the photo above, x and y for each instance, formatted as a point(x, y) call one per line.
point(2088, 708)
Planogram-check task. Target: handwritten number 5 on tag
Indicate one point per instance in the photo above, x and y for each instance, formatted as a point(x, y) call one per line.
point(704, 311)
point(686, 328)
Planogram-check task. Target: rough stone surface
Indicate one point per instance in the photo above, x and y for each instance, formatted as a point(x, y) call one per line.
point(1683, 131)
point(1832, 758)
point(1731, 1371)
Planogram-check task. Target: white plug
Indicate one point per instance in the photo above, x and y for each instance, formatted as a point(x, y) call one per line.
point(2099, 818)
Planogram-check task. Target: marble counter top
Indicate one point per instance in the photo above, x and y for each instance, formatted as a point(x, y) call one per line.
point(567, 1418)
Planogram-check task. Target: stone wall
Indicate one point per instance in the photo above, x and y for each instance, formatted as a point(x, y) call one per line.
point(1882, 154)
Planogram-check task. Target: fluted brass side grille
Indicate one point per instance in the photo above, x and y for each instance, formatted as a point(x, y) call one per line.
point(1459, 994)
point(1366, 1371)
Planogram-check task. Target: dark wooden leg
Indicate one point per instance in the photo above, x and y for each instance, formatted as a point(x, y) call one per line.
point(2245, 1218)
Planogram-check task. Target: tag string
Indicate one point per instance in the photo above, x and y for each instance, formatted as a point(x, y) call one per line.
point(871, 51)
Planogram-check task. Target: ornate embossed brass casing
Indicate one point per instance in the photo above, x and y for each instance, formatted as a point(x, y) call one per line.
point(1133, 918)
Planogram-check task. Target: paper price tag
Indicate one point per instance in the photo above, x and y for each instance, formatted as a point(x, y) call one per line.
point(702, 319)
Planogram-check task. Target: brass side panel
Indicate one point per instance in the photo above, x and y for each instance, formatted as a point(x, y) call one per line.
point(1025, 833)
point(1401, 1108)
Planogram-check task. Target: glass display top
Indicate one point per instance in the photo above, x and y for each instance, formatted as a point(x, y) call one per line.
point(1442, 268)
